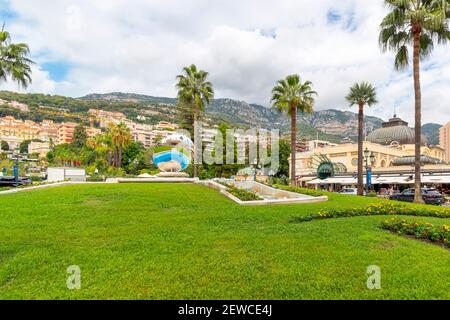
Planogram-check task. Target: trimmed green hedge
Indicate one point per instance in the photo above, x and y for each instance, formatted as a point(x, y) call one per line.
point(376, 210)
point(419, 230)
point(305, 191)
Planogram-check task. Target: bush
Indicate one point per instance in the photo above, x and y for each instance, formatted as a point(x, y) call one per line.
point(419, 230)
point(376, 210)
point(116, 172)
point(36, 178)
point(94, 178)
point(305, 191)
point(243, 195)
point(372, 194)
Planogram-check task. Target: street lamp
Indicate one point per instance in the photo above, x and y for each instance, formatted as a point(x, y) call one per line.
point(16, 165)
point(369, 159)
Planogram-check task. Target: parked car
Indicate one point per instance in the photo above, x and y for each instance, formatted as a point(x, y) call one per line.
point(349, 191)
point(11, 182)
point(430, 196)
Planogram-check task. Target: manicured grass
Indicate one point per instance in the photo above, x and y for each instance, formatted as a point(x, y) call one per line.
point(173, 241)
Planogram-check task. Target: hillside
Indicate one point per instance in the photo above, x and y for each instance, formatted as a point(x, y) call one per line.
point(329, 124)
point(332, 124)
point(431, 131)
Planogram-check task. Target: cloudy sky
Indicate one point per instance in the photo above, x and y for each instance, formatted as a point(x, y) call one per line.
point(86, 46)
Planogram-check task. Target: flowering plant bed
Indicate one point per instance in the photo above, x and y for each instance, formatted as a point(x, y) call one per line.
point(419, 230)
point(241, 194)
point(375, 210)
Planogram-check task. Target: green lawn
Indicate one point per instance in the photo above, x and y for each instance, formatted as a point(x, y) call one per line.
point(172, 241)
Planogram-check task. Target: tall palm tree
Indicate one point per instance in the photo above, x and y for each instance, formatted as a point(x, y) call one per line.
point(361, 95)
point(120, 137)
point(14, 63)
point(194, 92)
point(416, 23)
point(291, 95)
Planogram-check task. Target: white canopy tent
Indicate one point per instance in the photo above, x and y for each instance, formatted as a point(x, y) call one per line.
point(436, 179)
point(398, 180)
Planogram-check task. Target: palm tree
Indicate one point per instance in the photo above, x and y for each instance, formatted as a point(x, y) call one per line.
point(120, 137)
point(102, 144)
point(416, 23)
point(361, 95)
point(290, 95)
point(13, 60)
point(194, 92)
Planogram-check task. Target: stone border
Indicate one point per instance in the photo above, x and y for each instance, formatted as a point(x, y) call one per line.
point(44, 186)
point(223, 190)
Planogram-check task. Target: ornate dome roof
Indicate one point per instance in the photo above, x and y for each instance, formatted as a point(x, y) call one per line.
point(394, 131)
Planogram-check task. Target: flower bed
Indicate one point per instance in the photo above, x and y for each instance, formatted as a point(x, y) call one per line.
point(242, 194)
point(305, 191)
point(376, 210)
point(419, 230)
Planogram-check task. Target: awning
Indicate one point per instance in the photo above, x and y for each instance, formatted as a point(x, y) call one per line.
point(392, 180)
point(404, 180)
point(343, 180)
point(436, 179)
point(306, 179)
point(334, 180)
point(316, 181)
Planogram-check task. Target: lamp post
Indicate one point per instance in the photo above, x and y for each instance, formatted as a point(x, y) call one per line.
point(369, 159)
point(16, 166)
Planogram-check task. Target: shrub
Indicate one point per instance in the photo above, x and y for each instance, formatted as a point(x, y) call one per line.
point(419, 230)
point(243, 195)
point(305, 191)
point(376, 210)
point(94, 178)
point(372, 194)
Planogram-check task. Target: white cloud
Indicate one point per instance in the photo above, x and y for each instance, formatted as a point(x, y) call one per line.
point(140, 46)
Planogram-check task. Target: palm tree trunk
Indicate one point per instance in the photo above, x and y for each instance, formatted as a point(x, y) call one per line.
point(195, 173)
point(418, 118)
point(120, 157)
point(293, 144)
point(360, 150)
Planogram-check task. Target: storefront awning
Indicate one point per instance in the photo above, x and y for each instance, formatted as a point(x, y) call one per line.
point(306, 179)
point(436, 179)
point(334, 180)
point(392, 180)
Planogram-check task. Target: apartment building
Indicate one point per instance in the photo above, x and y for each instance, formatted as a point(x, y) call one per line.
point(41, 148)
point(444, 140)
point(14, 131)
point(66, 131)
point(106, 118)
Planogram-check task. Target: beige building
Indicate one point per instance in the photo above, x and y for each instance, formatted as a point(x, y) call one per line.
point(444, 140)
point(105, 118)
point(41, 148)
point(14, 131)
point(392, 147)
